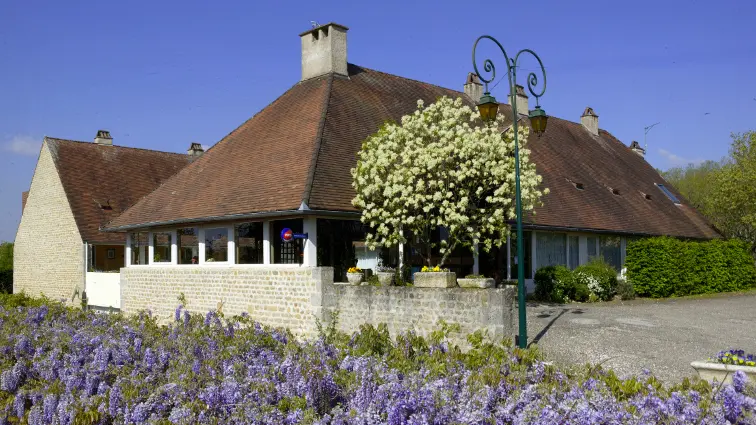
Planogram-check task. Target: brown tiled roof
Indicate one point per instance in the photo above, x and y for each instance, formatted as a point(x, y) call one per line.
point(24, 197)
point(102, 181)
point(301, 149)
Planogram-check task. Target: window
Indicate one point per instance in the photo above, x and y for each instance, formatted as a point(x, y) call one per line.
point(249, 243)
point(162, 247)
point(287, 252)
point(551, 249)
point(610, 248)
point(591, 241)
point(669, 194)
point(140, 242)
point(188, 245)
point(216, 245)
point(574, 244)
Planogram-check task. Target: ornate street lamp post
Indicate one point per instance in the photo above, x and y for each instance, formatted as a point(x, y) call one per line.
point(488, 108)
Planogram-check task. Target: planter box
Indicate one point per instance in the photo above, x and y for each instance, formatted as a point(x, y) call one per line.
point(435, 279)
point(354, 278)
point(719, 371)
point(482, 283)
point(385, 278)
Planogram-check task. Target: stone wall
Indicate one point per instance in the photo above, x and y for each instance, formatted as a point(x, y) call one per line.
point(403, 308)
point(294, 297)
point(48, 253)
point(281, 296)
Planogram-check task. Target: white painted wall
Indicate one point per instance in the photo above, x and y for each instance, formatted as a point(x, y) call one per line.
point(104, 289)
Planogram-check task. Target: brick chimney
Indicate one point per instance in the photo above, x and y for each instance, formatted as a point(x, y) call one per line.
point(522, 100)
point(473, 87)
point(195, 150)
point(636, 147)
point(324, 51)
point(103, 138)
point(589, 119)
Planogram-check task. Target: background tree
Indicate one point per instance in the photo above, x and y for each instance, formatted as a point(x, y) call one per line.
point(6, 267)
point(6, 256)
point(736, 194)
point(440, 167)
point(724, 191)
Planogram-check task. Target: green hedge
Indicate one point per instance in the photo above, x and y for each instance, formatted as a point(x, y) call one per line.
point(665, 267)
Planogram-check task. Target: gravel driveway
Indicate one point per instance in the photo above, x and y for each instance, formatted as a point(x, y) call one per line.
point(662, 336)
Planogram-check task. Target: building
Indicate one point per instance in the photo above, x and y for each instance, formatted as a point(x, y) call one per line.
point(77, 188)
point(213, 231)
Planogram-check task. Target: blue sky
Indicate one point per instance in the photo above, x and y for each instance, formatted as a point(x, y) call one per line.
point(163, 74)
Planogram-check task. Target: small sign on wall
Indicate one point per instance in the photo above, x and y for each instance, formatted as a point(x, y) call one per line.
point(287, 235)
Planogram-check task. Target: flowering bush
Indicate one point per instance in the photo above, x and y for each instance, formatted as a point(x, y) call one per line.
point(63, 366)
point(440, 167)
point(735, 357)
point(354, 270)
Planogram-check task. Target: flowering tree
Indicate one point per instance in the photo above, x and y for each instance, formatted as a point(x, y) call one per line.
point(441, 168)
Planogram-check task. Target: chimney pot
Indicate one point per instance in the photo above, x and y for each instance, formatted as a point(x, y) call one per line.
point(473, 87)
point(103, 138)
point(324, 51)
point(589, 119)
point(195, 150)
point(521, 99)
point(637, 148)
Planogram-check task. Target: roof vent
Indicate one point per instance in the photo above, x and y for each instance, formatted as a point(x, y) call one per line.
point(636, 147)
point(645, 195)
point(615, 191)
point(103, 138)
point(324, 51)
point(589, 119)
point(578, 186)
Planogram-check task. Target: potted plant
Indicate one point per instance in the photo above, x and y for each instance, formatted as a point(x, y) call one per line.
point(355, 275)
point(385, 275)
point(435, 277)
point(725, 364)
point(476, 281)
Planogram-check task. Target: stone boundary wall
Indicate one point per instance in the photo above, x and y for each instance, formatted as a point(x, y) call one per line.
point(278, 296)
point(294, 297)
point(404, 308)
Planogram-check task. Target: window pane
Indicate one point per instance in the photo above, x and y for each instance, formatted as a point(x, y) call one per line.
point(611, 252)
point(249, 243)
point(162, 247)
point(551, 249)
point(188, 245)
point(216, 244)
point(287, 252)
point(591, 241)
point(574, 252)
point(140, 242)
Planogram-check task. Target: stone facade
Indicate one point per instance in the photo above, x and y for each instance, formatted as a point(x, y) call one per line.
point(294, 297)
point(402, 308)
point(48, 253)
point(282, 296)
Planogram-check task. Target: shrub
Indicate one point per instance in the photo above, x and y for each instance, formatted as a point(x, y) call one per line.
point(664, 267)
point(625, 289)
point(599, 277)
point(554, 284)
